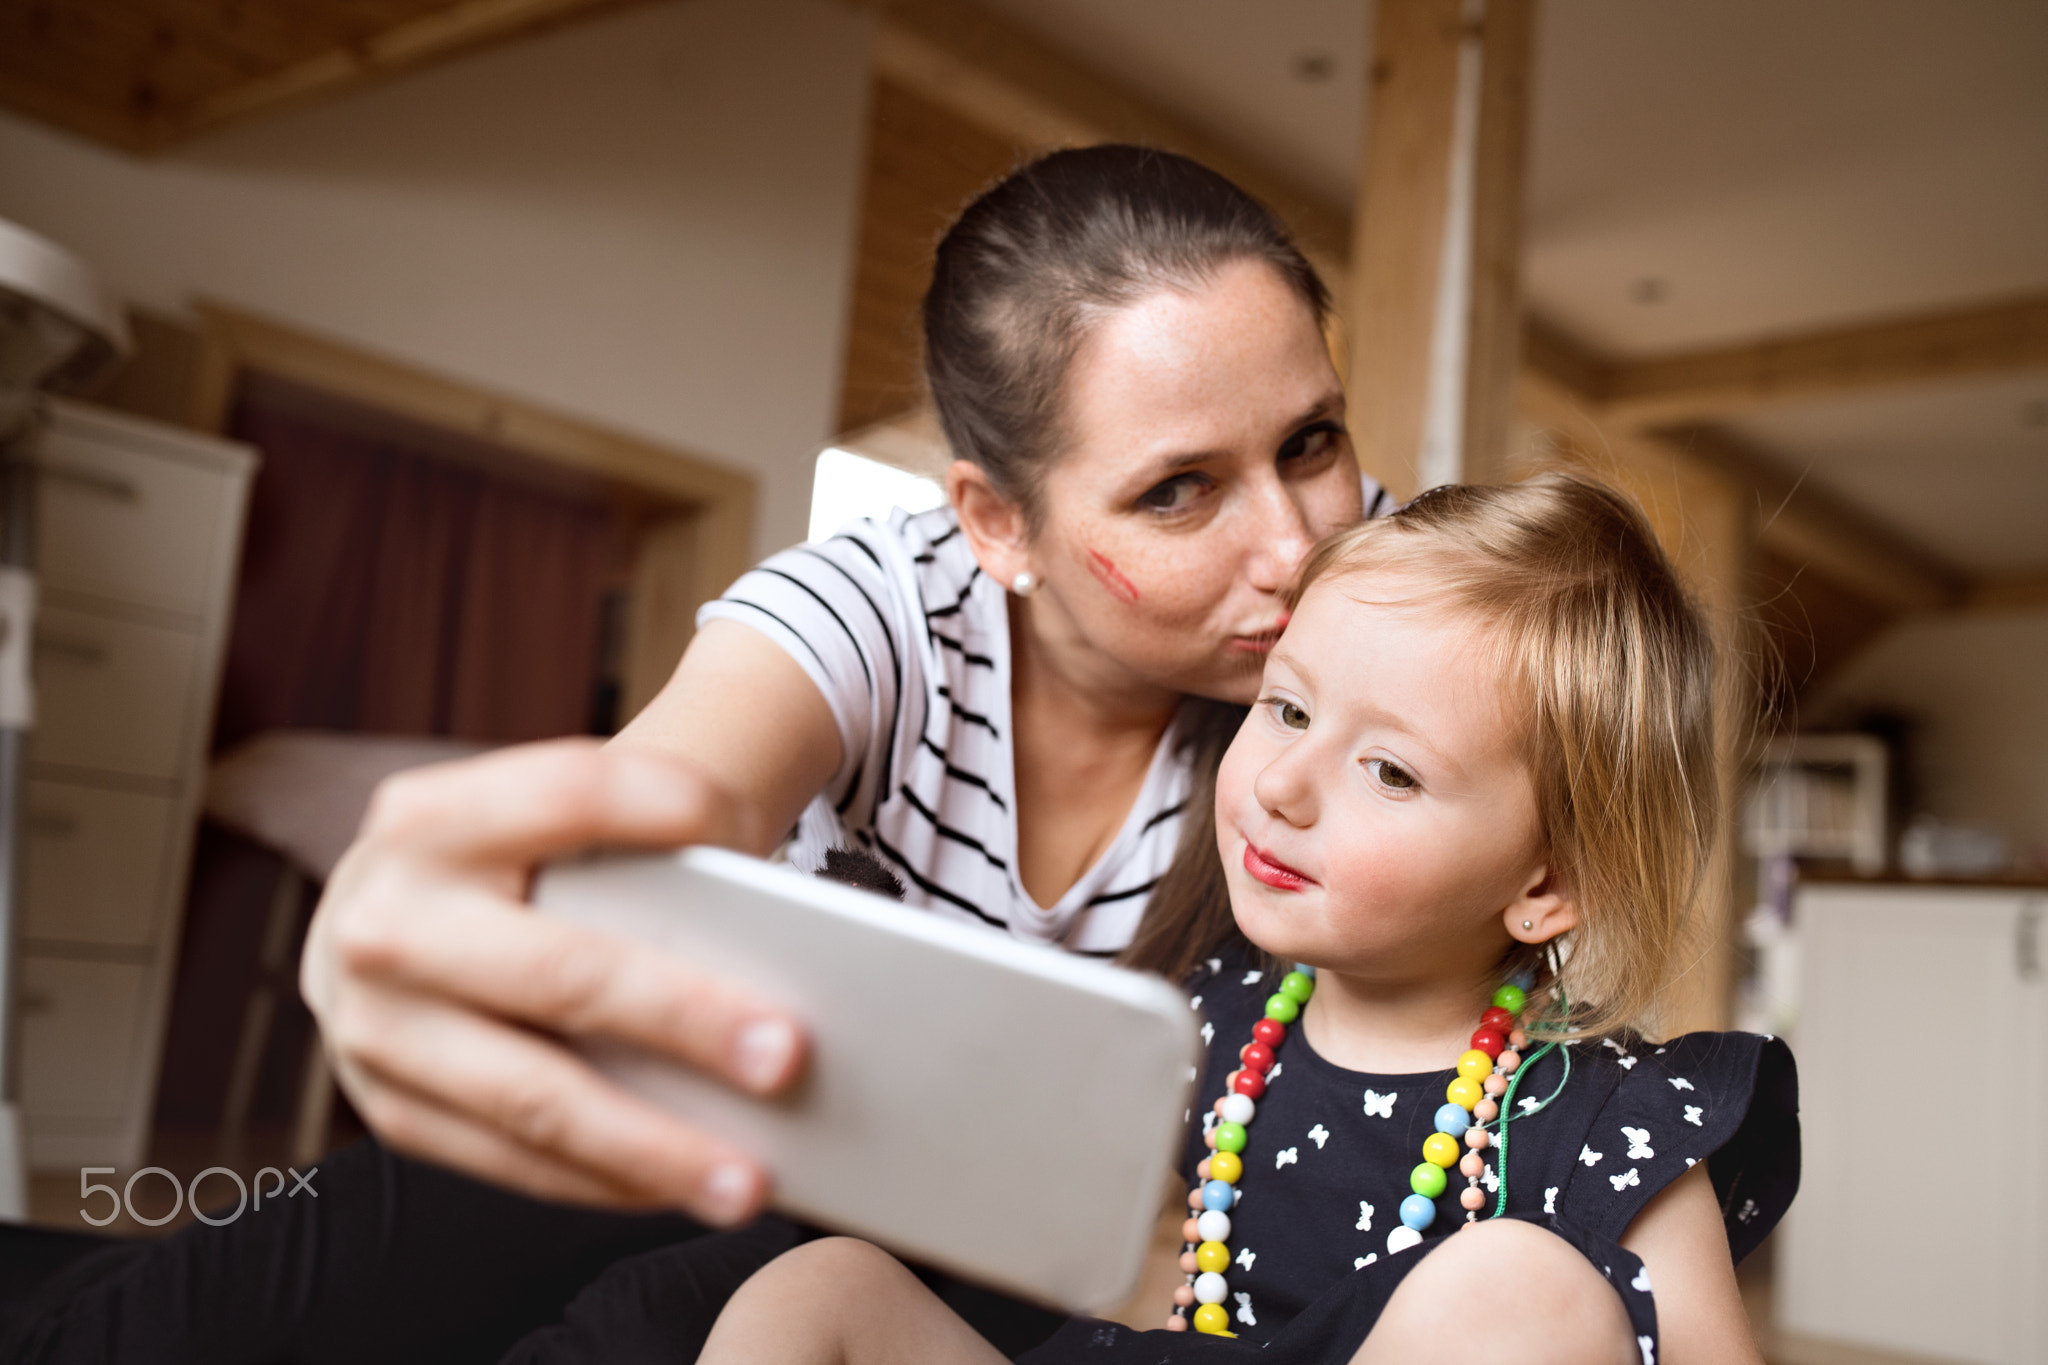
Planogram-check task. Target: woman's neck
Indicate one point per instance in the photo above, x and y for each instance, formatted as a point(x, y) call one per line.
point(1393, 1029)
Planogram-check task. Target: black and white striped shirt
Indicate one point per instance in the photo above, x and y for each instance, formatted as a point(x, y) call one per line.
point(910, 643)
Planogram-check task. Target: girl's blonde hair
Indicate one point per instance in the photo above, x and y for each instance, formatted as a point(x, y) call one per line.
point(1614, 668)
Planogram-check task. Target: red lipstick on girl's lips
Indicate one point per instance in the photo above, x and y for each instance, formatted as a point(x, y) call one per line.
point(1272, 871)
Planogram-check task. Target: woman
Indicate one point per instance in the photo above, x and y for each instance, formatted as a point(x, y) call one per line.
point(1127, 356)
point(1010, 700)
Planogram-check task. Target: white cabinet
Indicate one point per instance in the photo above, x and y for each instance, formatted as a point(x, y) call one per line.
point(138, 530)
point(1918, 1229)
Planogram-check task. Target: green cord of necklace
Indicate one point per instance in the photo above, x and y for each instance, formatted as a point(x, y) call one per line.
point(1507, 1101)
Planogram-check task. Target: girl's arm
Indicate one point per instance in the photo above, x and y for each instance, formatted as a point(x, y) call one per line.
point(1684, 1246)
point(441, 1000)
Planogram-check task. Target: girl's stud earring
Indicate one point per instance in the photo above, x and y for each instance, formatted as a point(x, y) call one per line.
point(1024, 584)
point(1527, 925)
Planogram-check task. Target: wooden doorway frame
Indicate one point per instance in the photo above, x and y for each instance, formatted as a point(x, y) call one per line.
point(698, 539)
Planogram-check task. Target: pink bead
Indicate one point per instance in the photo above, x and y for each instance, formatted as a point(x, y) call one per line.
point(1477, 1138)
point(1517, 1039)
point(1508, 1061)
point(1202, 1169)
point(1195, 1199)
point(1190, 1233)
point(1187, 1264)
point(1486, 1111)
point(1473, 1198)
point(1184, 1296)
point(1209, 1139)
point(1495, 1086)
point(1176, 1323)
point(1218, 1106)
point(1470, 1165)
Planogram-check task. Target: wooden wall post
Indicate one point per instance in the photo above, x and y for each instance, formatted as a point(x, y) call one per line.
point(1435, 277)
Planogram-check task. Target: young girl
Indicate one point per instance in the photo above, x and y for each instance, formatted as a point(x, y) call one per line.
point(1474, 802)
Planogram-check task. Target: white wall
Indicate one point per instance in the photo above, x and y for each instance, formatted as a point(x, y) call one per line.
point(646, 220)
point(1978, 685)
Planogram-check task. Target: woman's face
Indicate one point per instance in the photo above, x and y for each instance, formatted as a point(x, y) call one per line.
point(1206, 453)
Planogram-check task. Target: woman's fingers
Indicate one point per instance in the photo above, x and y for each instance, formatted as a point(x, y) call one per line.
point(570, 980)
point(505, 1104)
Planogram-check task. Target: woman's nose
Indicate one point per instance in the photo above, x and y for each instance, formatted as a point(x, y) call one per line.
point(1281, 539)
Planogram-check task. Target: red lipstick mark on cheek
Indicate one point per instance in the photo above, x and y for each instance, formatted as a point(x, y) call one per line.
point(1107, 574)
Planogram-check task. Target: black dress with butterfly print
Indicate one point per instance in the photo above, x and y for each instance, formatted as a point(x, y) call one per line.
point(1329, 1152)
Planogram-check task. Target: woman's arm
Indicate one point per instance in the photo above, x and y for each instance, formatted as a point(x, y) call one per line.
point(442, 1000)
point(1684, 1248)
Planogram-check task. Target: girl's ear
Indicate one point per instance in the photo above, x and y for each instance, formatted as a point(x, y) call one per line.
point(1544, 910)
point(994, 526)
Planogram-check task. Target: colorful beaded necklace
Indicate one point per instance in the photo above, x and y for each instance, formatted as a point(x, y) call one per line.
point(1487, 1074)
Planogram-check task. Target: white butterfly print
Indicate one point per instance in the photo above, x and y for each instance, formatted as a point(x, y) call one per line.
point(1380, 1105)
point(1274, 1074)
point(1649, 1350)
point(1319, 1135)
point(1692, 1116)
point(1747, 1212)
point(1209, 1121)
point(1490, 1178)
point(1530, 1104)
point(1364, 1218)
point(1244, 1310)
point(1361, 1262)
point(1286, 1156)
point(1624, 1180)
point(1208, 1034)
point(1660, 1052)
point(1626, 1062)
point(1691, 1162)
point(1641, 1283)
point(1245, 1257)
point(1215, 964)
point(1251, 978)
point(1680, 1083)
point(1638, 1143)
point(1589, 1156)
point(1609, 1042)
point(1195, 1003)
point(1550, 1200)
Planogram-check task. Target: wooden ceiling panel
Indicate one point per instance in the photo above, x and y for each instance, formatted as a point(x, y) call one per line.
point(142, 74)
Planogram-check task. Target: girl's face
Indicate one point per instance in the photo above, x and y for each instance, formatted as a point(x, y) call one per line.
point(1373, 813)
point(1206, 452)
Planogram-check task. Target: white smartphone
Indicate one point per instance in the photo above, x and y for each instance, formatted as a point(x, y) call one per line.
point(1005, 1111)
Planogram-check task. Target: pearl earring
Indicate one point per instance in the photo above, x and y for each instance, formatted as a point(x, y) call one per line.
point(1024, 584)
point(1527, 925)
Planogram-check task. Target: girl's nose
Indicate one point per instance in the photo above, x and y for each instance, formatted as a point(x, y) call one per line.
point(1284, 789)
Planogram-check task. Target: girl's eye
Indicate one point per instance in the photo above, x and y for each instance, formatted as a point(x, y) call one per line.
point(1310, 442)
point(1390, 774)
point(1177, 494)
point(1288, 714)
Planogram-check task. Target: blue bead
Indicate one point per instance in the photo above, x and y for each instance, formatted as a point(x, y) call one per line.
point(1525, 979)
point(1218, 1195)
point(1305, 970)
point(1453, 1119)
point(1417, 1212)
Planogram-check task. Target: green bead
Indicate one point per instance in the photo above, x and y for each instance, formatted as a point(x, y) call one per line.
point(1230, 1137)
point(1297, 988)
point(1428, 1180)
point(1282, 1009)
point(1511, 998)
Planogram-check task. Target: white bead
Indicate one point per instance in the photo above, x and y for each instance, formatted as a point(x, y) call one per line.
point(1401, 1238)
point(1238, 1108)
point(1210, 1288)
point(1214, 1225)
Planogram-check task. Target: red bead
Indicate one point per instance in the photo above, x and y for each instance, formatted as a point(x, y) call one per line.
point(1271, 1032)
point(1250, 1084)
point(1259, 1058)
point(1490, 1043)
point(1496, 1020)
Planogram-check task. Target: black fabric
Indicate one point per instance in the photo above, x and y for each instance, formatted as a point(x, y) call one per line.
point(1329, 1151)
point(394, 1261)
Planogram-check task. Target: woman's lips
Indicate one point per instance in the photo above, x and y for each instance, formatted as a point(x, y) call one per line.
point(1273, 872)
point(1260, 641)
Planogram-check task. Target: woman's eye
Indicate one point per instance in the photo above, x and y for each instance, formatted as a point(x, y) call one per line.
point(1175, 495)
point(1390, 774)
point(1310, 442)
point(1289, 715)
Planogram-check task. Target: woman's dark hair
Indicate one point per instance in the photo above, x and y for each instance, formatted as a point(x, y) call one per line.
point(1051, 249)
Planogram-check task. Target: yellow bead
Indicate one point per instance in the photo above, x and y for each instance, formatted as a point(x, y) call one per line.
point(1442, 1149)
point(1212, 1256)
point(1226, 1167)
point(1475, 1065)
point(1464, 1091)
point(1211, 1318)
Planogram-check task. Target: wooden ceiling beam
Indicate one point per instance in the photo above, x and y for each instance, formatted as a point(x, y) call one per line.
point(989, 70)
point(1986, 339)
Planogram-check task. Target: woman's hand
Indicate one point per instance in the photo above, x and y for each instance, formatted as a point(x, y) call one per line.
point(444, 1001)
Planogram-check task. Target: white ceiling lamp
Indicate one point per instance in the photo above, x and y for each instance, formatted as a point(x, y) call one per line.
point(56, 325)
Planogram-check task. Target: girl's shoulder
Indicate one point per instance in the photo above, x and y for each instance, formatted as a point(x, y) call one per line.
point(1641, 1114)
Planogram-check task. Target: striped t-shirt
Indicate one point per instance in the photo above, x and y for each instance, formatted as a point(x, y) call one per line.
point(910, 643)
